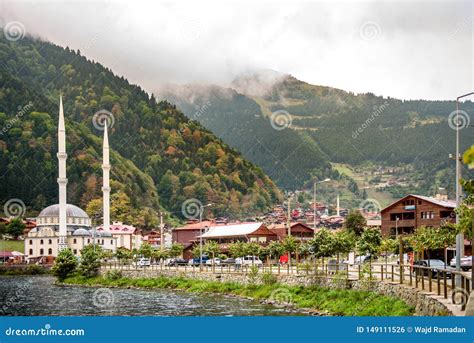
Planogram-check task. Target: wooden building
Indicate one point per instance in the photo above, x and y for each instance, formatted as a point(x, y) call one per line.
point(413, 211)
point(298, 231)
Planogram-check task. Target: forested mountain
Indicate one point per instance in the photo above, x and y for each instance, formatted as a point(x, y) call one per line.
point(159, 157)
point(327, 125)
point(289, 158)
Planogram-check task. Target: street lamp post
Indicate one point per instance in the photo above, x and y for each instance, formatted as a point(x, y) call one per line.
point(459, 236)
point(201, 210)
point(396, 227)
point(314, 201)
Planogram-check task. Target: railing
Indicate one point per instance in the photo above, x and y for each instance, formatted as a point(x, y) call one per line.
point(450, 284)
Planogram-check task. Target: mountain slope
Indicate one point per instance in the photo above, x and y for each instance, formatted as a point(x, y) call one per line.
point(364, 130)
point(159, 157)
point(290, 159)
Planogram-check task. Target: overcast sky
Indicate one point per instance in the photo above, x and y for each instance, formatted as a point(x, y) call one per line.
point(408, 50)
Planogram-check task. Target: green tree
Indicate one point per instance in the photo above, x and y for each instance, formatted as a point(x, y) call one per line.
point(91, 256)
point(344, 242)
point(290, 245)
point(211, 248)
point(237, 249)
point(355, 222)
point(322, 244)
point(3, 229)
point(146, 250)
point(369, 242)
point(15, 227)
point(275, 249)
point(176, 249)
point(65, 264)
point(123, 254)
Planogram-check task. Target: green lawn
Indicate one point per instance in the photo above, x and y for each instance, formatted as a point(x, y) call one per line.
point(12, 245)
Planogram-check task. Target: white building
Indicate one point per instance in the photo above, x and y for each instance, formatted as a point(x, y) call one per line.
point(43, 240)
point(64, 225)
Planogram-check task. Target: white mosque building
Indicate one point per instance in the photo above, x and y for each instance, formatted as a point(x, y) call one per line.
point(64, 225)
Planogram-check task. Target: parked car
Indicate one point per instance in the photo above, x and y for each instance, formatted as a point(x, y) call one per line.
point(214, 261)
point(228, 261)
point(143, 262)
point(176, 262)
point(466, 263)
point(249, 261)
point(196, 261)
point(436, 266)
point(364, 259)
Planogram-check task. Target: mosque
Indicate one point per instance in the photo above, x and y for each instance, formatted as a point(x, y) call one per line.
point(65, 225)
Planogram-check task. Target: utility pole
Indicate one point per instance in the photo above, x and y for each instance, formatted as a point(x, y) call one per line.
point(288, 219)
point(459, 236)
point(161, 232)
point(314, 206)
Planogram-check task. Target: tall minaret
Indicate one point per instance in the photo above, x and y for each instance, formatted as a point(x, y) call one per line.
point(337, 206)
point(105, 180)
point(62, 180)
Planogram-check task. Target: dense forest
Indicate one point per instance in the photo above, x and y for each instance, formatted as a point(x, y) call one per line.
point(159, 157)
point(329, 125)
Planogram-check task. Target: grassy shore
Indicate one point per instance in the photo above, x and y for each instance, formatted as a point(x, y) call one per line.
point(334, 302)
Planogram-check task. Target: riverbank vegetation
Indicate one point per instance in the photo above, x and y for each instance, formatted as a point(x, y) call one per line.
point(324, 300)
point(23, 270)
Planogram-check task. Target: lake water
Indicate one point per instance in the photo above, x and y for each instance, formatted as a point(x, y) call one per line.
point(38, 296)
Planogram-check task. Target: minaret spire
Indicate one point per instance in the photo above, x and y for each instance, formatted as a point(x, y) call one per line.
point(338, 210)
point(106, 179)
point(62, 180)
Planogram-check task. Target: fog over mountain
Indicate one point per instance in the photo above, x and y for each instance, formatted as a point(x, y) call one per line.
point(379, 47)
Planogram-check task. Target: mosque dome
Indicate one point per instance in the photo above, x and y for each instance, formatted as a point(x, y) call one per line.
point(74, 216)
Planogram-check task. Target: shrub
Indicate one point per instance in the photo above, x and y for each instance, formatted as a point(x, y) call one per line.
point(252, 274)
point(34, 269)
point(113, 275)
point(269, 279)
point(65, 264)
point(90, 260)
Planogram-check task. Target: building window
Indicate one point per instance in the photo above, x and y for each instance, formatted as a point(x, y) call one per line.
point(75, 251)
point(31, 242)
point(112, 242)
point(50, 241)
point(50, 251)
point(31, 251)
point(427, 215)
point(88, 240)
point(41, 252)
point(447, 214)
point(41, 241)
point(74, 241)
